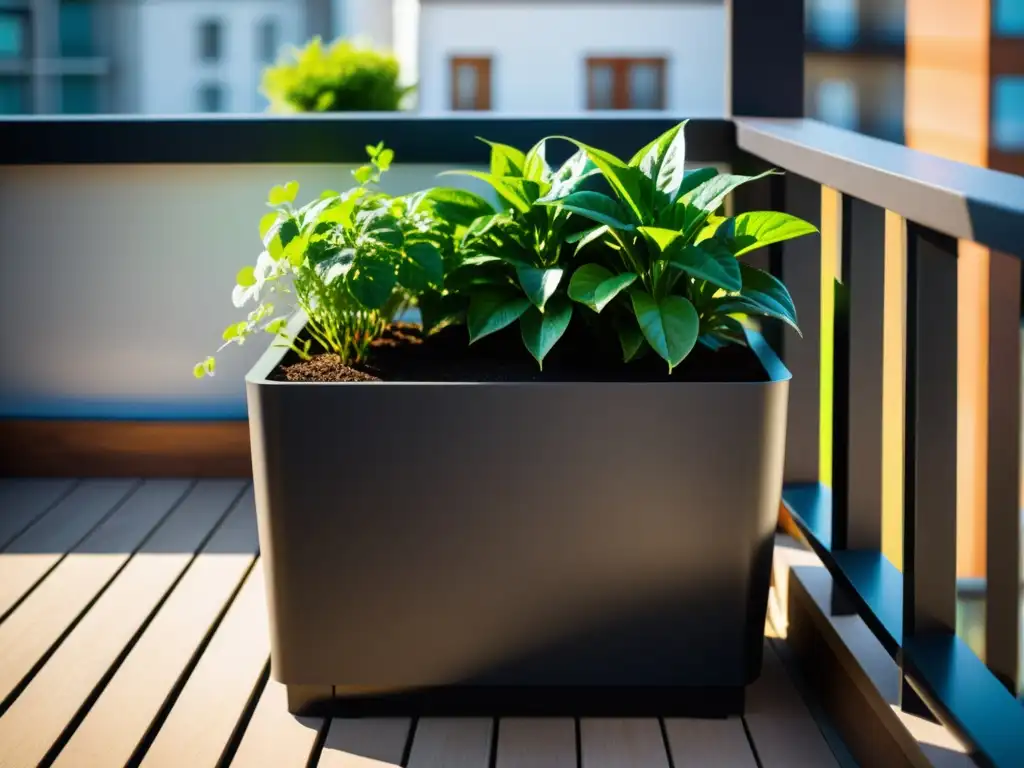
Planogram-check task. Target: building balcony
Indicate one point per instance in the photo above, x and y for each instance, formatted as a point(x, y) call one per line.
point(131, 614)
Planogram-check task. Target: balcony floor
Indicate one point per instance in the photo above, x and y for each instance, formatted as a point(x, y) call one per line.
point(133, 630)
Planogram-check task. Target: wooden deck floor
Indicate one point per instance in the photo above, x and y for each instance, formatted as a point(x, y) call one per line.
point(133, 632)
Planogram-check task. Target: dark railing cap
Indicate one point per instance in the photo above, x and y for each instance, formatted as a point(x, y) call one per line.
point(445, 138)
point(961, 200)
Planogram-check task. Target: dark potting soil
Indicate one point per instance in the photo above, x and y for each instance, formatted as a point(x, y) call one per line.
point(404, 354)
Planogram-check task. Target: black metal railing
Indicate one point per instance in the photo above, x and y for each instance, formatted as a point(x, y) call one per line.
point(912, 611)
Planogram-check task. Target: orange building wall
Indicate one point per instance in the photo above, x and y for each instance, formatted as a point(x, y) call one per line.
point(947, 113)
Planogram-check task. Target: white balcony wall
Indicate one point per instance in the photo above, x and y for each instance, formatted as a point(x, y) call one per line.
point(171, 69)
point(109, 299)
point(539, 50)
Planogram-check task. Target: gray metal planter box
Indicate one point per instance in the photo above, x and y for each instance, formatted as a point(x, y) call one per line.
point(532, 548)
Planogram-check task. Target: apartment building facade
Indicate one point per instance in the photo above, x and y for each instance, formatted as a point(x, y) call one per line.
point(855, 65)
point(145, 56)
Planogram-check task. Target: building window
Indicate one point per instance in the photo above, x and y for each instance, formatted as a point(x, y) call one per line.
point(625, 83)
point(79, 95)
point(210, 41)
point(211, 97)
point(836, 104)
point(1008, 18)
point(267, 41)
point(14, 95)
point(471, 83)
point(833, 23)
point(1008, 113)
point(12, 35)
point(76, 28)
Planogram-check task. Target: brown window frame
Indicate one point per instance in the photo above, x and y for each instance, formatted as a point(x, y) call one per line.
point(620, 78)
point(482, 64)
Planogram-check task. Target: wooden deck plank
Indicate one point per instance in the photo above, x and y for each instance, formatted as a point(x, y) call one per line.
point(527, 742)
point(275, 738)
point(22, 502)
point(40, 547)
point(365, 743)
point(622, 743)
point(37, 718)
point(441, 742)
point(206, 713)
point(38, 622)
point(697, 743)
point(132, 699)
point(784, 733)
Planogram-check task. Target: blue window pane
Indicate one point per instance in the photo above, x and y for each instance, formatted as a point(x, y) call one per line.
point(837, 104)
point(835, 23)
point(1008, 17)
point(79, 95)
point(1008, 113)
point(13, 95)
point(76, 37)
point(12, 35)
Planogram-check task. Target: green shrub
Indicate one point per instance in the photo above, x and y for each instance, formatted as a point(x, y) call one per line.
point(341, 77)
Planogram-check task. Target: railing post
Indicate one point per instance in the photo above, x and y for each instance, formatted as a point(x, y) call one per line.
point(857, 403)
point(766, 77)
point(929, 537)
point(801, 270)
point(1003, 536)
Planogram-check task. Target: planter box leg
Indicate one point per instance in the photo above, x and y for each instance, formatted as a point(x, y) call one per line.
point(309, 699)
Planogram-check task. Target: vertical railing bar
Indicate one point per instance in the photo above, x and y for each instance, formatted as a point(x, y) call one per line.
point(864, 276)
point(1003, 526)
point(929, 539)
point(773, 332)
point(802, 266)
point(841, 381)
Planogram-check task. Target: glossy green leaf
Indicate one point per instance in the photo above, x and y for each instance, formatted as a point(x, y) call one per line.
point(596, 286)
point(628, 183)
point(505, 160)
point(459, 206)
point(267, 222)
point(541, 331)
point(750, 231)
point(535, 165)
point(693, 179)
point(631, 339)
point(539, 285)
point(591, 236)
point(670, 326)
point(709, 261)
point(421, 267)
point(384, 159)
point(768, 291)
point(709, 228)
point(599, 208)
point(246, 276)
point(570, 176)
point(662, 161)
point(279, 195)
point(481, 226)
point(514, 191)
point(659, 238)
point(492, 309)
point(371, 280)
point(710, 195)
point(363, 173)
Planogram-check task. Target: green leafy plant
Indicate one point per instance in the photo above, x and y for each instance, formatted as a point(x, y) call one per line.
point(662, 262)
point(340, 77)
point(351, 262)
point(512, 263)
